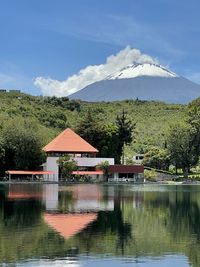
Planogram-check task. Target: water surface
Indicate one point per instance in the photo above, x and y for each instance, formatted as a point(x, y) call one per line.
point(99, 225)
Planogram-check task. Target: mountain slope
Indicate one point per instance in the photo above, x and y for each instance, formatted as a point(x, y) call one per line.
point(143, 81)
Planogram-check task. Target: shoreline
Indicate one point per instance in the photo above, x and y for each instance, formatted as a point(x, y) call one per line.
point(103, 183)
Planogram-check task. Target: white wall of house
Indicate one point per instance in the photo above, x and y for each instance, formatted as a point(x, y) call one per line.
point(51, 163)
point(91, 162)
point(138, 158)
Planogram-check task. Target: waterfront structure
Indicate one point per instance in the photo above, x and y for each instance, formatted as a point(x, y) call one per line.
point(126, 173)
point(85, 155)
point(70, 143)
point(30, 175)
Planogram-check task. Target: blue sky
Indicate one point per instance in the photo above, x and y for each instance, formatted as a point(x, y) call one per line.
point(57, 38)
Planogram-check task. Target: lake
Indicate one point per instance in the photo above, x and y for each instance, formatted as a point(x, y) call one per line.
point(99, 225)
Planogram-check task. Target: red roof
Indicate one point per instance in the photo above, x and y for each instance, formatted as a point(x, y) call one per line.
point(68, 225)
point(19, 172)
point(68, 141)
point(126, 168)
point(87, 172)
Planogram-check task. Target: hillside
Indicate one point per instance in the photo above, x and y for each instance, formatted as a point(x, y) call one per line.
point(55, 114)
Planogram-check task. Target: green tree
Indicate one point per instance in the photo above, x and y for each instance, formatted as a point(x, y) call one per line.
point(158, 158)
point(89, 128)
point(104, 166)
point(2, 157)
point(183, 146)
point(125, 130)
point(67, 165)
point(109, 138)
point(23, 145)
point(102, 136)
point(193, 120)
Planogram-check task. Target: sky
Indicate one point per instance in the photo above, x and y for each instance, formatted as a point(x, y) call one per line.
point(54, 47)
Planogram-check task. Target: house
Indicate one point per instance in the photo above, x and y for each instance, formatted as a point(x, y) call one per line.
point(70, 143)
point(85, 155)
point(138, 158)
point(126, 173)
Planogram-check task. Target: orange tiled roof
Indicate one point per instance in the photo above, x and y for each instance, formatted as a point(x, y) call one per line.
point(69, 141)
point(22, 172)
point(87, 172)
point(68, 225)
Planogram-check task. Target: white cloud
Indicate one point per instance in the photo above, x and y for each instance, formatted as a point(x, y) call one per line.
point(92, 74)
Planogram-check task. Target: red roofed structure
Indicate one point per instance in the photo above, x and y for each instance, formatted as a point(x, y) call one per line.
point(69, 142)
point(84, 154)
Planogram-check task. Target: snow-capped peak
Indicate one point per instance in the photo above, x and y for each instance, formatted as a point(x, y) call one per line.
point(146, 69)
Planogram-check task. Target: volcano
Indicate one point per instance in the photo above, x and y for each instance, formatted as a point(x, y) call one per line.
point(141, 81)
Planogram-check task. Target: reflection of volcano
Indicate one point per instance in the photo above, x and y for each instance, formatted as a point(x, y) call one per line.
point(68, 225)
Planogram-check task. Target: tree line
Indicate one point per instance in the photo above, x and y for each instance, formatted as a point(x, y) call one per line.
point(22, 138)
point(182, 143)
point(109, 138)
point(21, 143)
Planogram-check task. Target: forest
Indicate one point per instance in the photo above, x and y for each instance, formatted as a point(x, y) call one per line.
point(29, 122)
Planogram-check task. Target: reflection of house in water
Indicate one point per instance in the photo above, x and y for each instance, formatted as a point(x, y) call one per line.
point(68, 225)
point(90, 200)
point(78, 199)
point(75, 198)
point(25, 191)
point(50, 196)
point(85, 209)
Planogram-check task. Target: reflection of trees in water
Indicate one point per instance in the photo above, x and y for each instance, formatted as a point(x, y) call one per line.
point(22, 212)
point(182, 213)
point(164, 222)
point(66, 202)
point(19, 212)
point(23, 233)
point(3, 191)
point(185, 216)
point(108, 223)
point(182, 220)
point(15, 210)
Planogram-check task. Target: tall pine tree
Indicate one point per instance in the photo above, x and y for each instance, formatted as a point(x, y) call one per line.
point(125, 130)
